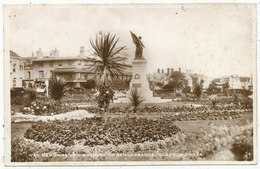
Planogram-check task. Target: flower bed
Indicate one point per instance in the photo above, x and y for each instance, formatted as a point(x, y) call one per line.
point(95, 132)
point(202, 144)
point(30, 150)
point(47, 107)
point(169, 109)
point(180, 113)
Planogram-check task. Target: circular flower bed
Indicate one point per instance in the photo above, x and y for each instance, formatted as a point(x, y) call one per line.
point(93, 131)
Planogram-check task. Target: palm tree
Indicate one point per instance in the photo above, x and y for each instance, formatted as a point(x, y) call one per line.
point(214, 101)
point(56, 88)
point(109, 61)
point(135, 99)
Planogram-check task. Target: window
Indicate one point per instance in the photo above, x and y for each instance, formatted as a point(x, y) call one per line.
point(30, 84)
point(70, 75)
point(59, 63)
point(41, 64)
point(70, 63)
point(29, 74)
point(41, 74)
point(79, 63)
point(14, 67)
point(21, 67)
point(51, 64)
point(14, 82)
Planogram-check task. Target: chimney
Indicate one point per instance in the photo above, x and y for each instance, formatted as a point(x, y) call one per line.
point(39, 53)
point(172, 70)
point(158, 70)
point(56, 53)
point(179, 69)
point(82, 51)
point(168, 71)
point(52, 53)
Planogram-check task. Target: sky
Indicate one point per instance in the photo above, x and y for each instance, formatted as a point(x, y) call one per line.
point(214, 39)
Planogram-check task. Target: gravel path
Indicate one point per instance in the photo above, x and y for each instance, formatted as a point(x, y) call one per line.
point(77, 114)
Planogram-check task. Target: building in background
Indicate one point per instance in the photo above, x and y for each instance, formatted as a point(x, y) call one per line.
point(37, 70)
point(237, 82)
point(28, 80)
point(162, 78)
point(16, 70)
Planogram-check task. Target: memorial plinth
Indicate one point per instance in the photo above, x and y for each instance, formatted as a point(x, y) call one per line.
point(139, 81)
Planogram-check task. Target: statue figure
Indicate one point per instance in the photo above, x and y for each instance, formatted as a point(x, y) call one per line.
point(139, 45)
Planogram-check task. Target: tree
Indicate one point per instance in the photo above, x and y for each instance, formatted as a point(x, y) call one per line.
point(172, 85)
point(176, 75)
point(135, 99)
point(210, 89)
point(108, 62)
point(177, 81)
point(197, 90)
point(195, 80)
point(57, 88)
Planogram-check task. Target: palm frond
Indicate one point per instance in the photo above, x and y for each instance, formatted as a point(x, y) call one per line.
point(57, 88)
point(135, 98)
point(109, 60)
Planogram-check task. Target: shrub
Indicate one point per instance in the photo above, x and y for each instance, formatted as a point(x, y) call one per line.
point(214, 101)
point(135, 98)
point(89, 84)
point(56, 88)
point(106, 94)
point(31, 93)
point(242, 148)
point(17, 92)
point(46, 106)
point(20, 152)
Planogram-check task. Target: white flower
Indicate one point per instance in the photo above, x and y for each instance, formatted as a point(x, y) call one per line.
point(29, 108)
point(37, 107)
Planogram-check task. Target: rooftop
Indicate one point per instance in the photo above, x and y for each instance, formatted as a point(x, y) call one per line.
point(58, 58)
point(14, 55)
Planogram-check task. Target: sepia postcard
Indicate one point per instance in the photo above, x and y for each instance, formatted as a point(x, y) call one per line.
point(130, 84)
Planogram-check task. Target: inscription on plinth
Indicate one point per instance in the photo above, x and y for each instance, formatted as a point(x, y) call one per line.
point(136, 85)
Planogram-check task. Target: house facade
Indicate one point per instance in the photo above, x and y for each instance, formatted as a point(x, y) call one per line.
point(74, 70)
point(16, 70)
